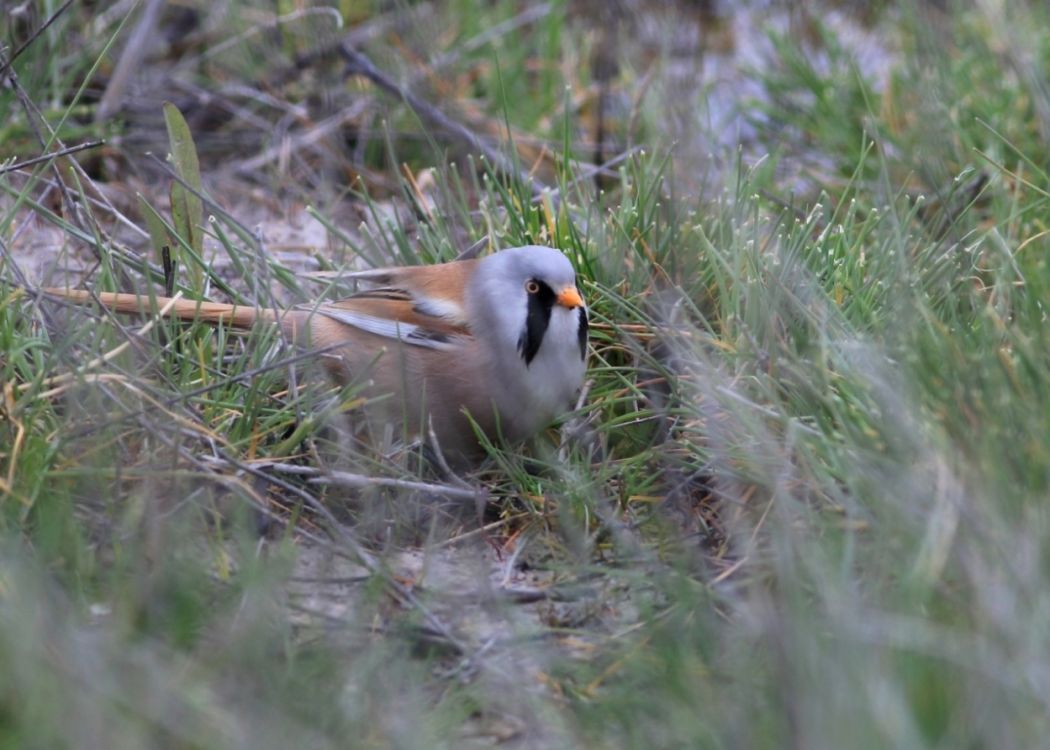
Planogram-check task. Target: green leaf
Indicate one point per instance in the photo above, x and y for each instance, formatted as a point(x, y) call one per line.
point(187, 209)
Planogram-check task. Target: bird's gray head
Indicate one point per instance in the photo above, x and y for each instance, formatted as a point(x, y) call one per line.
point(525, 306)
point(525, 293)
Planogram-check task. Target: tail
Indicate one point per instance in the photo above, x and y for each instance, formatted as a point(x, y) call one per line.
point(237, 316)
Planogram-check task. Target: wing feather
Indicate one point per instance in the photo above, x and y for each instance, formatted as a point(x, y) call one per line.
point(436, 291)
point(396, 319)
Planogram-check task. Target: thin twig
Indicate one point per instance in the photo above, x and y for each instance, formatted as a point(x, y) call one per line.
point(476, 532)
point(310, 137)
point(52, 155)
point(361, 481)
point(51, 184)
point(34, 118)
point(348, 479)
point(358, 63)
point(4, 65)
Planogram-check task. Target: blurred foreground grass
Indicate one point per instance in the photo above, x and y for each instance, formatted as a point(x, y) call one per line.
point(804, 503)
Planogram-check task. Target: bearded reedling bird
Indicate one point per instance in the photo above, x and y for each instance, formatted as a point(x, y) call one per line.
point(502, 338)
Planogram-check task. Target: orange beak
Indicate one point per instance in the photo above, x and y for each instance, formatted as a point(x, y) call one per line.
point(570, 298)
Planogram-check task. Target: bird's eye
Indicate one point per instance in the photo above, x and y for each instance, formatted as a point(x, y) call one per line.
point(532, 286)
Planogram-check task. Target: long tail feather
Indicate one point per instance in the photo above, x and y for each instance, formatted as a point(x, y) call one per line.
point(209, 312)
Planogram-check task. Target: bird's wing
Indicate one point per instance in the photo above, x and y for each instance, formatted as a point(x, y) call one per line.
point(436, 292)
point(418, 305)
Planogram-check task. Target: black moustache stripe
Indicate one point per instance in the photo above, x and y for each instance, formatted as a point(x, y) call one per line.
point(536, 321)
point(581, 333)
point(539, 317)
